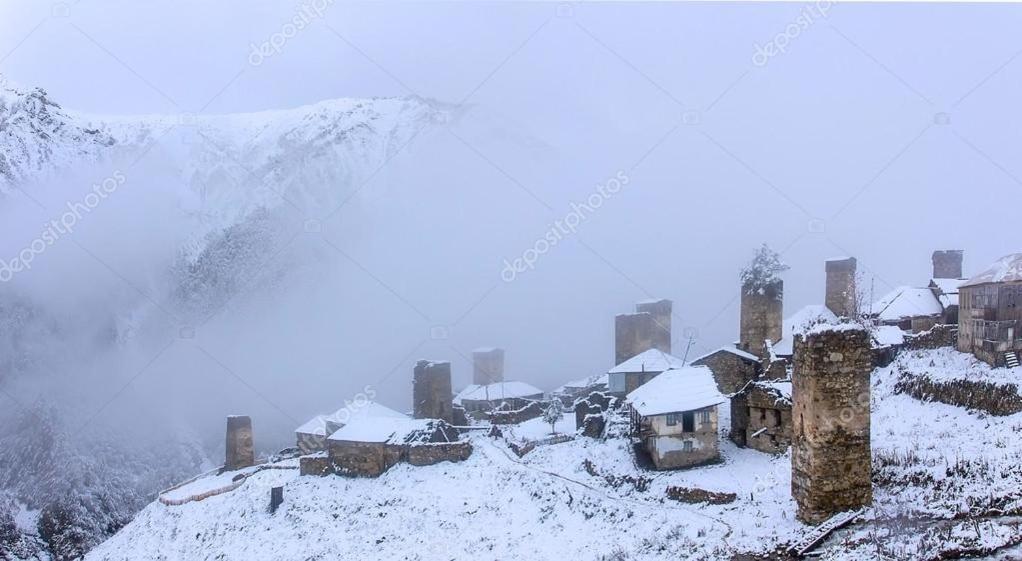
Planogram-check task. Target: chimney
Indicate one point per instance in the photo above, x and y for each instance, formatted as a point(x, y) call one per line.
point(761, 317)
point(841, 286)
point(661, 312)
point(487, 366)
point(947, 263)
point(240, 453)
point(431, 391)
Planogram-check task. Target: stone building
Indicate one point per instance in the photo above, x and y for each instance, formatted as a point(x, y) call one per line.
point(636, 371)
point(841, 293)
point(732, 368)
point(487, 365)
point(312, 435)
point(510, 395)
point(240, 450)
point(761, 317)
point(990, 313)
point(648, 328)
point(675, 417)
point(369, 447)
point(910, 309)
point(431, 390)
point(761, 416)
point(831, 463)
point(947, 263)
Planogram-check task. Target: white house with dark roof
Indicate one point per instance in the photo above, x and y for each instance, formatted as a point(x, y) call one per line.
point(675, 417)
point(641, 368)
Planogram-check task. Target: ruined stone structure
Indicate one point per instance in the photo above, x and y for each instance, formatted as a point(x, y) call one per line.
point(648, 328)
point(431, 391)
point(369, 447)
point(732, 368)
point(661, 312)
point(240, 452)
point(590, 414)
point(761, 416)
point(947, 264)
point(841, 297)
point(487, 366)
point(830, 460)
point(762, 317)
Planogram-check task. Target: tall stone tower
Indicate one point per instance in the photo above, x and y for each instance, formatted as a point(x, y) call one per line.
point(487, 366)
point(841, 298)
point(947, 263)
point(431, 391)
point(761, 317)
point(830, 453)
point(240, 452)
point(661, 312)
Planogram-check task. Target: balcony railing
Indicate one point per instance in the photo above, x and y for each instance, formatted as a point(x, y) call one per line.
point(997, 331)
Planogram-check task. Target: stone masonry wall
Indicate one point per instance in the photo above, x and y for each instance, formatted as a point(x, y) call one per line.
point(487, 366)
point(240, 452)
point(938, 336)
point(761, 317)
point(661, 312)
point(431, 391)
point(730, 371)
point(636, 333)
point(831, 462)
point(840, 297)
point(947, 264)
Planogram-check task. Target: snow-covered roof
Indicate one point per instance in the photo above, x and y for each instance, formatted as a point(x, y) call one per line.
point(1006, 269)
point(653, 360)
point(907, 302)
point(797, 323)
point(729, 349)
point(596, 380)
point(351, 412)
point(780, 389)
point(947, 291)
point(675, 390)
point(381, 430)
point(887, 335)
point(497, 391)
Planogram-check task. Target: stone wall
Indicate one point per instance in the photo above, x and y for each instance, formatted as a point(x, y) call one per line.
point(947, 264)
point(318, 464)
point(363, 459)
point(528, 410)
point(636, 333)
point(434, 453)
point(841, 297)
point(769, 420)
point(730, 371)
point(761, 317)
point(661, 312)
point(240, 452)
point(487, 366)
point(309, 443)
point(831, 460)
point(984, 396)
point(431, 391)
point(936, 337)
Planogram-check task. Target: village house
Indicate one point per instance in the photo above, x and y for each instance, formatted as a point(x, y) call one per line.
point(311, 436)
point(732, 368)
point(990, 313)
point(919, 309)
point(368, 447)
point(675, 417)
point(509, 395)
point(641, 368)
point(761, 416)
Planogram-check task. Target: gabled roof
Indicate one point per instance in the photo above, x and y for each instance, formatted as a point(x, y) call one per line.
point(367, 410)
point(595, 380)
point(497, 391)
point(947, 291)
point(732, 350)
point(907, 302)
point(676, 390)
point(315, 425)
point(389, 431)
point(653, 360)
point(797, 323)
point(1006, 269)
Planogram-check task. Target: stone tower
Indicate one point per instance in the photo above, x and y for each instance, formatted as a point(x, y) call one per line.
point(633, 334)
point(487, 366)
point(431, 391)
point(830, 453)
point(661, 312)
point(841, 298)
point(947, 264)
point(240, 452)
point(761, 317)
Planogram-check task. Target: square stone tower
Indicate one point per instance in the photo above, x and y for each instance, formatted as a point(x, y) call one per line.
point(431, 391)
point(841, 298)
point(947, 263)
point(487, 366)
point(661, 312)
point(240, 452)
point(762, 317)
point(831, 464)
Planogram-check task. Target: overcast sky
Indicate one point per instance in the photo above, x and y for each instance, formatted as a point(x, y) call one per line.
point(879, 131)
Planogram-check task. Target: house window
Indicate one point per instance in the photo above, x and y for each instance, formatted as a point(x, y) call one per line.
point(672, 420)
point(687, 446)
point(704, 416)
point(688, 421)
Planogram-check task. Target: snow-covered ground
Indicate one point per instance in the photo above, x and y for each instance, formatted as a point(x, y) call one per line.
point(942, 475)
